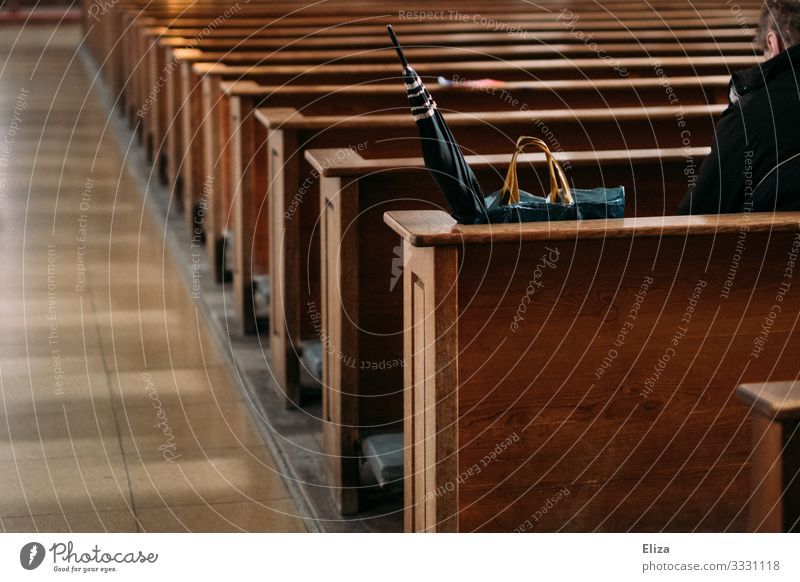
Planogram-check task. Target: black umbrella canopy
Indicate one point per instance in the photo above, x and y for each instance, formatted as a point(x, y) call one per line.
point(443, 157)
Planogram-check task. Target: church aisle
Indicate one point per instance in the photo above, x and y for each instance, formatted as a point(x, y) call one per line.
point(118, 411)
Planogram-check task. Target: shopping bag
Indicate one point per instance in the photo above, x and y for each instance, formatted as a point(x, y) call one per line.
point(510, 204)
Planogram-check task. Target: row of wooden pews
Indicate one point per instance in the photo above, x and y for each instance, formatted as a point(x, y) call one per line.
point(576, 376)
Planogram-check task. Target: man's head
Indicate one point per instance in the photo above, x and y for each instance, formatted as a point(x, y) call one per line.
point(778, 26)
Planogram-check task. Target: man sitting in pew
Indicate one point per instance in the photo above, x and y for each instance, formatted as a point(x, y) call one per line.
point(755, 158)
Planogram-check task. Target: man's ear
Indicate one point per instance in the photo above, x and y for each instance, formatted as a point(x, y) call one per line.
point(774, 44)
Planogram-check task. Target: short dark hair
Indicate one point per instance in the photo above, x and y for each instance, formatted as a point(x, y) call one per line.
point(781, 17)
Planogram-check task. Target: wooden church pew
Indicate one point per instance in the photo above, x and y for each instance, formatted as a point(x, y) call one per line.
point(259, 103)
point(293, 189)
point(150, 70)
point(210, 98)
point(247, 176)
point(162, 114)
point(239, 34)
point(616, 387)
point(361, 303)
point(121, 23)
point(180, 102)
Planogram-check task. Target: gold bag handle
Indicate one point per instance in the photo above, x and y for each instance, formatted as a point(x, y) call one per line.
point(510, 191)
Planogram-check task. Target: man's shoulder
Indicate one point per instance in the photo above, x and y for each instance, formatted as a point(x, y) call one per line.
point(769, 79)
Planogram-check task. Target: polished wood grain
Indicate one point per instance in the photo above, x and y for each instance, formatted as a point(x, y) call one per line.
point(431, 228)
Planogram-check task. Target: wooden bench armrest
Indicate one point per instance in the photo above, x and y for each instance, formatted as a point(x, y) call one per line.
point(279, 117)
point(247, 57)
point(253, 88)
point(205, 68)
point(487, 67)
point(248, 87)
point(775, 476)
point(331, 163)
point(779, 401)
point(176, 41)
point(520, 118)
point(436, 228)
point(245, 87)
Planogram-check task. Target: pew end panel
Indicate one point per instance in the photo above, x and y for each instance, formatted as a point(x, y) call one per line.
point(340, 435)
point(249, 175)
point(431, 403)
point(285, 250)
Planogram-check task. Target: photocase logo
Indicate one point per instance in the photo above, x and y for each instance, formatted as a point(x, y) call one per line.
point(31, 555)
point(399, 262)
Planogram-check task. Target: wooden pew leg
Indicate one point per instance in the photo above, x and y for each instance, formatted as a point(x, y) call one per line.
point(775, 502)
point(774, 506)
point(339, 264)
point(284, 312)
point(284, 361)
point(186, 157)
point(431, 389)
point(244, 220)
point(214, 217)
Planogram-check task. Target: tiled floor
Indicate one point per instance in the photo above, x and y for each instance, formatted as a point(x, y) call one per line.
point(117, 412)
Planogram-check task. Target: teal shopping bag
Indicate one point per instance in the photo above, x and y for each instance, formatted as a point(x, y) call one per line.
point(510, 204)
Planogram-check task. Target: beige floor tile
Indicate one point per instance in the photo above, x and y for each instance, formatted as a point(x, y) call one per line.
point(146, 428)
point(249, 516)
point(70, 326)
point(155, 339)
point(211, 386)
point(90, 522)
point(206, 477)
point(65, 485)
point(77, 324)
point(129, 325)
point(126, 358)
point(59, 435)
point(41, 365)
point(67, 343)
point(153, 294)
point(76, 393)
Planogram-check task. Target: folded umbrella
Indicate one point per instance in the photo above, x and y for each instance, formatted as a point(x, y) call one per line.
point(443, 157)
